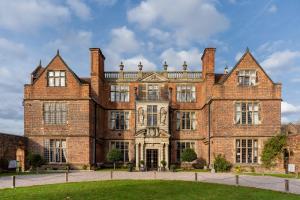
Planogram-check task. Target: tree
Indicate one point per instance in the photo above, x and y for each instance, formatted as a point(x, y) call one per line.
point(188, 155)
point(273, 148)
point(114, 155)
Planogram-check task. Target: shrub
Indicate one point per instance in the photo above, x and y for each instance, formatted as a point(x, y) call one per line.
point(272, 149)
point(130, 167)
point(84, 167)
point(221, 164)
point(200, 163)
point(114, 156)
point(35, 160)
point(163, 163)
point(188, 155)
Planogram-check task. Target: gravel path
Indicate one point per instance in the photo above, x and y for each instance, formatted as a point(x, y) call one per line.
point(265, 182)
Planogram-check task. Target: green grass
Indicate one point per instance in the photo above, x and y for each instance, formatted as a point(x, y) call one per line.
point(136, 190)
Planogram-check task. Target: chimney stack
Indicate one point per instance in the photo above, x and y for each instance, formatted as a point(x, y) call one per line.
point(208, 62)
point(97, 71)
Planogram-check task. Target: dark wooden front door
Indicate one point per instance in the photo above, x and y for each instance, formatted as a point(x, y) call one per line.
point(152, 159)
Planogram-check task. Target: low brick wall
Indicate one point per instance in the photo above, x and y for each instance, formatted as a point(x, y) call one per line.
point(9, 145)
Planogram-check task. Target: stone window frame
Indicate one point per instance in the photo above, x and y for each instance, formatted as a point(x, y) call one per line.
point(240, 113)
point(119, 93)
point(151, 113)
point(251, 77)
point(55, 77)
point(59, 148)
point(193, 121)
point(242, 151)
point(113, 117)
point(193, 94)
point(178, 143)
point(123, 151)
point(56, 113)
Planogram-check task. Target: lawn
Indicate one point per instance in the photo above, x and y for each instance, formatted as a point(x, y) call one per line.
point(150, 189)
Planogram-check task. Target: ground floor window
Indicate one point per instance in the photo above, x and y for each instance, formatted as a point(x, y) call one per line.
point(246, 151)
point(182, 146)
point(123, 147)
point(55, 150)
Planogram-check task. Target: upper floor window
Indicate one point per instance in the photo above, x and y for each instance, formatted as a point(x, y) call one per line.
point(55, 150)
point(153, 92)
point(119, 93)
point(123, 147)
point(56, 78)
point(185, 121)
point(247, 113)
point(186, 93)
point(247, 77)
point(246, 151)
point(181, 146)
point(151, 115)
point(55, 113)
point(119, 120)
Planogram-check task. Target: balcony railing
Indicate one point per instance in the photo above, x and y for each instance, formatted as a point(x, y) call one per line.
point(131, 76)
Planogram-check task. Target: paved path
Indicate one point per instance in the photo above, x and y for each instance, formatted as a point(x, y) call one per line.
point(265, 182)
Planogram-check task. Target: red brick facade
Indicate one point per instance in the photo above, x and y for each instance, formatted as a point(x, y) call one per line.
point(87, 129)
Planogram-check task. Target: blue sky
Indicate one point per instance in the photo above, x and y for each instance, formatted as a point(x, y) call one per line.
point(150, 31)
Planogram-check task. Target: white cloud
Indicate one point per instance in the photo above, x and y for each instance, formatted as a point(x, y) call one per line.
point(19, 15)
point(281, 60)
point(175, 59)
point(80, 9)
point(238, 56)
point(123, 40)
point(272, 8)
point(10, 48)
point(296, 80)
point(287, 108)
point(189, 20)
point(159, 34)
point(131, 64)
point(71, 40)
point(106, 2)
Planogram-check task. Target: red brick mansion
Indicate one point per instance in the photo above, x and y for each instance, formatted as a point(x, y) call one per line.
point(151, 116)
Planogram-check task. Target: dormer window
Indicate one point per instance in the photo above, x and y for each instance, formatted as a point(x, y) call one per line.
point(247, 77)
point(56, 78)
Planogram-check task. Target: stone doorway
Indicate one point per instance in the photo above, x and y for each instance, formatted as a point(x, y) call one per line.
point(152, 159)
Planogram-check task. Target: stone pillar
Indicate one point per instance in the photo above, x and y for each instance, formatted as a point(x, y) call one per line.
point(167, 155)
point(137, 160)
point(142, 152)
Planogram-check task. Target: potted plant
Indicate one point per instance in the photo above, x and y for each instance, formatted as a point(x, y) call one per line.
point(173, 168)
point(130, 167)
point(163, 163)
point(142, 167)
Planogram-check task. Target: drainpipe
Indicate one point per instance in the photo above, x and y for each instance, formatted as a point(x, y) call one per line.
point(209, 133)
point(95, 134)
point(135, 120)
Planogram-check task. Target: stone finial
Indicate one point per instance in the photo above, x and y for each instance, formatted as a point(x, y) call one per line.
point(226, 70)
point(184, 66)
point(57, 52)
point(140, 66)
point(40, 63)
point(165, 66)
point(247, 49)
point(121, 66)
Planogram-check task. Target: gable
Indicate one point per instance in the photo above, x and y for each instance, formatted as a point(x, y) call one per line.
point(154, 77)
point(57, 63)
point(248, 62)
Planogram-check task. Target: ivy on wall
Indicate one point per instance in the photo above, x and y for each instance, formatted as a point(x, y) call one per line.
point(273, 148)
